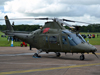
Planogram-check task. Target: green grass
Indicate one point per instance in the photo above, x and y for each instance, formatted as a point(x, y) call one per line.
point(4, 41)
point(93, 41)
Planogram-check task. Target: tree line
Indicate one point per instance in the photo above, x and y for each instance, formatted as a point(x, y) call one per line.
point(89, 28)
point(21, 27)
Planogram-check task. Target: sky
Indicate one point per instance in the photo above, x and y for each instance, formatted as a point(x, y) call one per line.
point(78, 10)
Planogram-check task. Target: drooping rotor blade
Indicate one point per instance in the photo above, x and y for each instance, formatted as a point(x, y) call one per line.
point(68, 20)
point(75, 21)
point(70, 26)
point(62, 22)
point(95, 54)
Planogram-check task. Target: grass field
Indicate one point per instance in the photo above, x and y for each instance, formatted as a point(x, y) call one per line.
point(4, 41)
point(93, 41)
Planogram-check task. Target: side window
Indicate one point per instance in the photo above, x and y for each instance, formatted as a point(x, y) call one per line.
point(46, 39)
point(53, 39)
point(71, 41)
point(64, 41)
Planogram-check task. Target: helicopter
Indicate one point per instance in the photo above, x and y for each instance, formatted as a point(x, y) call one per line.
point(53, 37)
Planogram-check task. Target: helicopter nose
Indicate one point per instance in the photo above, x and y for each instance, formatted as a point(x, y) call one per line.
point(91, 48)
point(85, 47)
point(94, 49)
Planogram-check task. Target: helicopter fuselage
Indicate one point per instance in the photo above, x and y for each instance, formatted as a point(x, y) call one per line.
point(57, 40)
point(53, 37)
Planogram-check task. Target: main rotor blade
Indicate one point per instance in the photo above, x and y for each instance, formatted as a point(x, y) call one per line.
point(95, 54)
point(75, 21)
point(19, 19)
point(62, 22)
point(41, 18)
point(28, 19)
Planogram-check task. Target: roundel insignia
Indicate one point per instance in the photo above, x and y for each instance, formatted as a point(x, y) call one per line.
point(46, 30)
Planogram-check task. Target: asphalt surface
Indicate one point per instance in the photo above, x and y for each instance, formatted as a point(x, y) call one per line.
point(19, 61)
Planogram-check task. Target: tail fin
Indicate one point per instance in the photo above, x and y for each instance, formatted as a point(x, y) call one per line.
point(8, 24)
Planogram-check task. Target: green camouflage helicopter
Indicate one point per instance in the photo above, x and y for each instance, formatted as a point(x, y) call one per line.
point(53, 37)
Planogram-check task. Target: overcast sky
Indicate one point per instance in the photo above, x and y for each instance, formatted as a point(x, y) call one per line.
point(78, 10)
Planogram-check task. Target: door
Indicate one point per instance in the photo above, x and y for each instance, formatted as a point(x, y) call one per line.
point(45, 42)
point(54, 43)
point(41, 41)
point(65, 43)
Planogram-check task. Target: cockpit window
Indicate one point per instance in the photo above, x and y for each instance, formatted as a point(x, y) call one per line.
point(82, 39)
point(74, 39)
point(71, 41)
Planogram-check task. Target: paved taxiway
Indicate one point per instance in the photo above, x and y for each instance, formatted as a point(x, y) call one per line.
point(19, 61)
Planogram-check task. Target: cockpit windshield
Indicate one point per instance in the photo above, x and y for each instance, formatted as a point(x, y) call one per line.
point(74, 39)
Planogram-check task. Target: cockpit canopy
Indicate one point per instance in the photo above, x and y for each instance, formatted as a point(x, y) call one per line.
point(74, 39)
